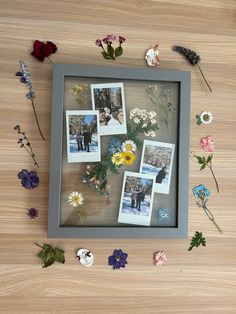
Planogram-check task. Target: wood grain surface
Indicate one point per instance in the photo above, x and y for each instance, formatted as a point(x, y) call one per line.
point(201, 281)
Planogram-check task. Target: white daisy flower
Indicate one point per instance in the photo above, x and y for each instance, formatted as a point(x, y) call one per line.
point(152, 134)
point(132, 112)
point(153, 121)
point(144, 125)
point(144, 116)
point(206, 117)
point(136, 120)
point(128, 146)
point(76, 199)
point(152, 114)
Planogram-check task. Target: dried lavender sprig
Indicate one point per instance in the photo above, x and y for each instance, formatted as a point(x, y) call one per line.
point(26, 144)
point(193, 58)
point(25, 79)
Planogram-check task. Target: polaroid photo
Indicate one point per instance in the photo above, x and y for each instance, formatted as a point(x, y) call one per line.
point(136, 199)
point(110, 101)
point(83, 138)
point(157, 159)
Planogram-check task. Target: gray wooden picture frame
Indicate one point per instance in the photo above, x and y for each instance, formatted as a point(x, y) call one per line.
point(60, 71)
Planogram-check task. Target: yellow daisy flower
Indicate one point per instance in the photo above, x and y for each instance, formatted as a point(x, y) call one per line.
point(129, 158)
point(117, 159)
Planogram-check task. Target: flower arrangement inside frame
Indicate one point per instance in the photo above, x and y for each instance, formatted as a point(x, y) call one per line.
point(100, 181)
point(122, 150)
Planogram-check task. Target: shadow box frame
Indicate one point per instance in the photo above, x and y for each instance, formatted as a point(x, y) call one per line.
point(60, 72)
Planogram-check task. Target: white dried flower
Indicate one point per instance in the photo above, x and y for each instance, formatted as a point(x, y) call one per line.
point(76, 199)
point(152, 114)
point(153, 121)
point(206, 117)
point(136, 120)
point(144, 116)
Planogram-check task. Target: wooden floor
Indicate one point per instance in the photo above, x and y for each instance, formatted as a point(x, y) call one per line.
point(201, 281)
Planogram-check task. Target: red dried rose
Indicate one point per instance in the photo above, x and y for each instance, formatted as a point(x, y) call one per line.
point(42, 50)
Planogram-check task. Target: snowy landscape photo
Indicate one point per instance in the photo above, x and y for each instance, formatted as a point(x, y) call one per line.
point(136, 199)
point(157, 160)
point(83, 140)
point(109, 100)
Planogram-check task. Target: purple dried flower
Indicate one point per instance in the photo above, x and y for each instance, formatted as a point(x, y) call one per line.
point(118, 259)
point(19, 73)
point(122, 39)
point(105, 40)
point(29, 179)
point(33, 213)
point(98, 42)
point(111, 38)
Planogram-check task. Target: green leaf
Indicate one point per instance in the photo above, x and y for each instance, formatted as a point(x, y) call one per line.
point(199, 159)
point(105, 55)
point(209, 158)
point(110, 51)
point(50, 255)
point(197, 240)
point(202, 167)
point(59, 256)
point(199, 122)
point(118, 51)
point(49, 262)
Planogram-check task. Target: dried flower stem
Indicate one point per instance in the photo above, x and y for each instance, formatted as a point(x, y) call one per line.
point(39, 245)
point(50, 60)
point(35, 115)
point(214, 177)
point(211, 217)
point(23, 145)
point(204, 77)
point(209, 214)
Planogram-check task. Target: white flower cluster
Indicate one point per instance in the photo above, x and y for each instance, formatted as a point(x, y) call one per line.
point(145, 119)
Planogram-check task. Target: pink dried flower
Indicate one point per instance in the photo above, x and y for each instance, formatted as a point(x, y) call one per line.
point(98, 42)
point(121, 39)
point(160, 258)
point(207, 144)
point(111, 38)
point(105, 40)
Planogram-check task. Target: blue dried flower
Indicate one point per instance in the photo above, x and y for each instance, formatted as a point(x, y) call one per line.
point(30, 95)
point(25, 75)
point(19, 73)
point(114, 146)
point(29, 179)
point(164, 215)
point(201, 191)
point(118, 259)
point(33, 213)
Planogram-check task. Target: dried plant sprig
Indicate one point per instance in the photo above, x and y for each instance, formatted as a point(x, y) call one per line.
point(24, 142)
point(24, 75)
point(197, 240)
point(207, 162)
point(193, 58)
point(160, 98)
point(201, 194)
